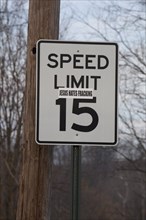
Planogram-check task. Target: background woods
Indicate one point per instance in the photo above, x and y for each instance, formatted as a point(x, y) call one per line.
point(13, 22)
point(113, 179)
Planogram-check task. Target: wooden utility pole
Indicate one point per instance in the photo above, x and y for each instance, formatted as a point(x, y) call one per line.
point(35, 183)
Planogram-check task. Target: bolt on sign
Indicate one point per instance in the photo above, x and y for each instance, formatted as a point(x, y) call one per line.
point(76, 92)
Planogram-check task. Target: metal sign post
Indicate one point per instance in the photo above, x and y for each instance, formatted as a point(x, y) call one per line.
point(76, 171)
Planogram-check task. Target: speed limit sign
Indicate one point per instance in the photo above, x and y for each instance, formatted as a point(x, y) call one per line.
point(76, 93)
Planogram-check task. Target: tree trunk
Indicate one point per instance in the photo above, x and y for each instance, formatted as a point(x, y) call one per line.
point(35, 180)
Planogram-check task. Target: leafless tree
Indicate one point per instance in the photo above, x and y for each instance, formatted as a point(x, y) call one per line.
point(125, 23)
point(12, 80)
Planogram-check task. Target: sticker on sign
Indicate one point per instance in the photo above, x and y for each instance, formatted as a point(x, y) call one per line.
point(76, 93)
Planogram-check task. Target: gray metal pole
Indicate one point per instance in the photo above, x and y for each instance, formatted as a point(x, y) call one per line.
point(76, 171)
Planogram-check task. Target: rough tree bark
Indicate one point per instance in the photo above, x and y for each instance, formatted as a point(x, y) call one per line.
point(35, 179)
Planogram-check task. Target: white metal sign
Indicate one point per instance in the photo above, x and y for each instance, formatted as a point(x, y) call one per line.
point(76, 93)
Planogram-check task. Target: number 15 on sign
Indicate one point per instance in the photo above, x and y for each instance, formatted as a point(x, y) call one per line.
point(77, 110)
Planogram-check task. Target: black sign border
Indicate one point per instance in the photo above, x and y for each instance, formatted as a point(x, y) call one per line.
point(38, 91)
